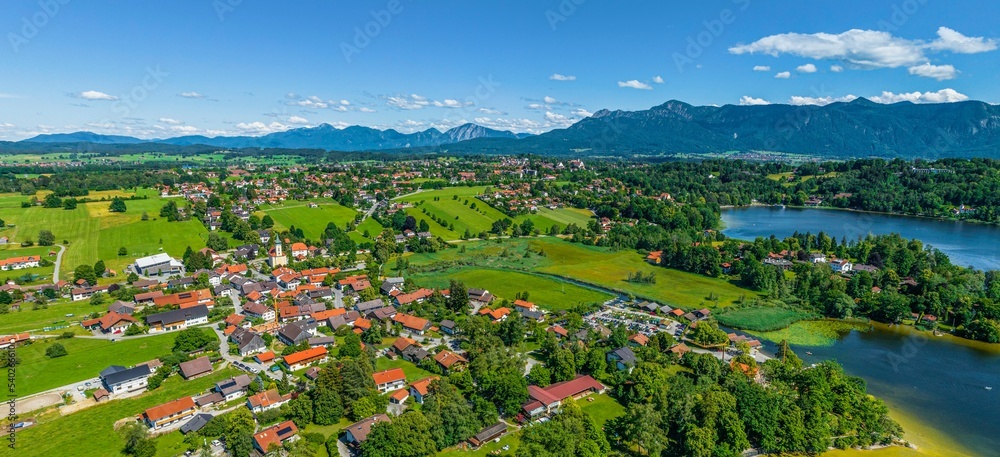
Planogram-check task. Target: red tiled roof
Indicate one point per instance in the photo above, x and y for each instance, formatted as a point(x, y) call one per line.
point(306, 355)
point(447, 358)
point(410, 322)
point(275, 435)
point(388, 376)
point(423, 385)
point(168, 409)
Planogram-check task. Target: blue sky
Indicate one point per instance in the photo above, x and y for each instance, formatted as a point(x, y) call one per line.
point(161, 68)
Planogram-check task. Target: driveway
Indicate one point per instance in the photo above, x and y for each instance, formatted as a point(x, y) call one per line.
point(58, 263)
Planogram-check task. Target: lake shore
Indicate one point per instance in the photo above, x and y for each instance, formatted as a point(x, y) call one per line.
point(862, 211)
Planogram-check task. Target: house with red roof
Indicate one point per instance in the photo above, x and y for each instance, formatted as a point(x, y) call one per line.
point(266, 400)
point(169, 413)
point(302, 359)
point(389, 380)
point(272, 437)
point(542, 401)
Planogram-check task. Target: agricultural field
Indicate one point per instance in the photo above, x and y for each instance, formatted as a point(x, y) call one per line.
point(589, 264)
point(459, 212)
point(312, 221)
point(94, 233)
point(85, 358)
point(91, 432)
point(550, 294)
point(762, 319)
point(54, 315)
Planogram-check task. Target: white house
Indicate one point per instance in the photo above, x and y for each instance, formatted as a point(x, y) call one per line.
point(158, 264)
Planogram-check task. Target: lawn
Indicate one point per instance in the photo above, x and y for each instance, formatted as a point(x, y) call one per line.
point(602, 409)
point(413, 372)
point(547, 293)
point(312, 221)
point(85, 358)
point(91, 433)
point(55, 315)
point(762, 319)
point(456, 213)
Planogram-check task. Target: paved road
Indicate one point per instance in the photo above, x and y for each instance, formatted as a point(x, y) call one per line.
point(55, 273)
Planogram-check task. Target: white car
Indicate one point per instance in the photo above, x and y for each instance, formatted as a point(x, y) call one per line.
point(216, 443)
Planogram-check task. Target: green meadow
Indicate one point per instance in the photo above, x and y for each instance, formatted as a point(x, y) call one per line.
point(312, 221)
point(93, 233)
point(458, 212)
point(548, 293)
point(589, 264)
point(85, 358)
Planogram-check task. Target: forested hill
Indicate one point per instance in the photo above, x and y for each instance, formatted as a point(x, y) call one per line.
point(860, 128)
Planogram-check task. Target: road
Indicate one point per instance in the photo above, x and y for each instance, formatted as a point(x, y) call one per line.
point(234, 359)
point(58, 263)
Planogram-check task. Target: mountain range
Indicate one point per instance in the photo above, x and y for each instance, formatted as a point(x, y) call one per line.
point(858, 128)
point(324, 136)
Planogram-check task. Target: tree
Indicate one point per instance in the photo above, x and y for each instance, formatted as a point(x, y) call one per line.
point(216, 242)
point(408, 435)
point(122, 251)
point(170, 211)
point(267, 221)
point(56, 350)
point(137, 442)
point(571, 432)
point(351, 346)
point(458, 299)
point(540, 376)
point(86, 273)
point(451, 417)
point(52, 201)
point(100, 268)
point(70, 203)
point(46, 238)
point(117, 205)
point(193, 339)
point(239, 426)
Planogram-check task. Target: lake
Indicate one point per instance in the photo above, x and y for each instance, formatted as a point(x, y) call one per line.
point(967, 244)
point(941, 381)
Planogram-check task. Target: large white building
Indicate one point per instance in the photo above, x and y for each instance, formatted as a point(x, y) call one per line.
point(158, 264)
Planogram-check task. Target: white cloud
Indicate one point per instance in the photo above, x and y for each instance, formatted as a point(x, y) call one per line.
point(635, 84)
point(184, 129)
point(819, 101)
point(866, 49)
point(582, 112)
point(807, 68)
point(536, 106)
point(312, 102)
point(365, 109)
point(292, 96)
point(491, 111)
point(550, 100)
point(448, 103)
point(950, 40)
point(95, 95)
point(762, 68)
point(783, 75)
point(260, 128)
point(167, 120)
point(941, 96)
point(190, 95)
point(836, 68)
point(556, 118)
point(658, 79)
point(938, 72)
point(559, 77)
point(298, 120)
point(747, 100)
point(345, 103)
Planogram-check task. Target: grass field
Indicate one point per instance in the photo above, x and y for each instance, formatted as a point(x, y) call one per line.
point(811, 333)
point(547, 293)
point(55, 315)
point(762, 319)
point(312, 221)
point(94, 233)
point(86, 357)
point(589, 264)
point(461, 214)
point(91, 433)
point(602, 409)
